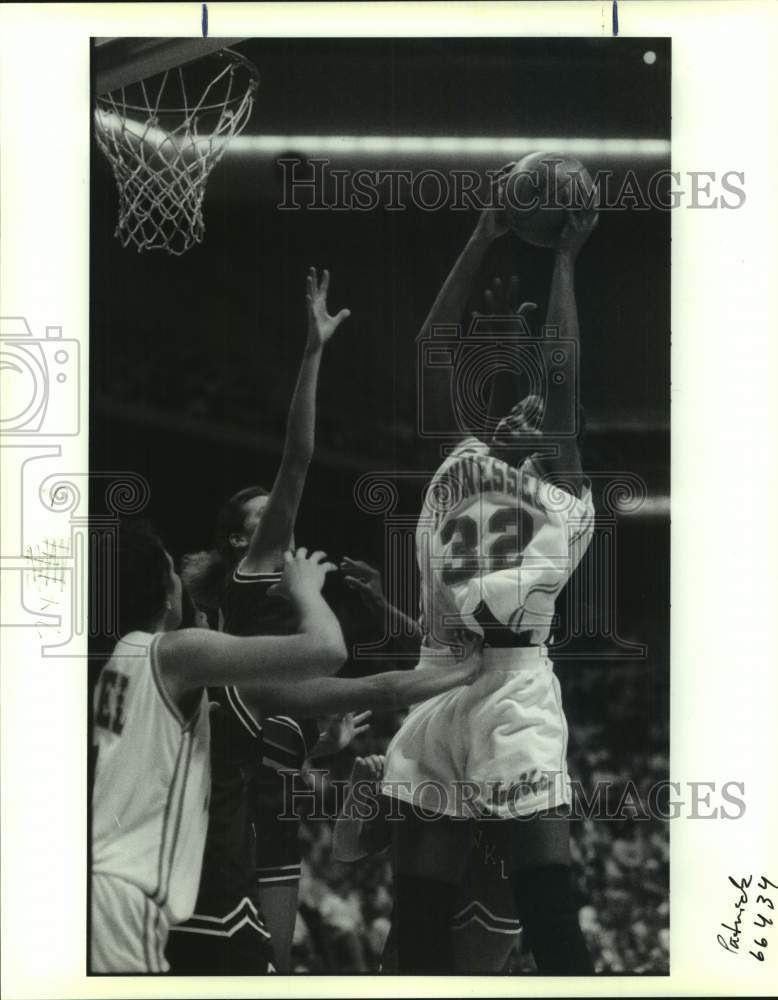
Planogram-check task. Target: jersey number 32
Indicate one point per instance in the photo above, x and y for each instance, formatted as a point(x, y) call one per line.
point(511, 529)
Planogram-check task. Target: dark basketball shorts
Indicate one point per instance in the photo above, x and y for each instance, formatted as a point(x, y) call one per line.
point(234, 944)
point(278, 851)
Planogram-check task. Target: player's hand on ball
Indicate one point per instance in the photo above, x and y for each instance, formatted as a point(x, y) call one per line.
point(579, 227)
point(303, 575)
point(492, 222)
point(321, 325)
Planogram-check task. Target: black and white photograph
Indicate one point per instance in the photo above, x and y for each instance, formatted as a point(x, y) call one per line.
point(396, 383)
point(377, 385)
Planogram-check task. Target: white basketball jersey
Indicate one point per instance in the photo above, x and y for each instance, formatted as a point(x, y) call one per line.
point(490, 534)
point(152, 780)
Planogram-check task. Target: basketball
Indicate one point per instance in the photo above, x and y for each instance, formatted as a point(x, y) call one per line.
point(538, 193)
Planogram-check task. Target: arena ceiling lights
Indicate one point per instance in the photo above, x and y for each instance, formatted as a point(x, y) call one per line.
point(418, 145)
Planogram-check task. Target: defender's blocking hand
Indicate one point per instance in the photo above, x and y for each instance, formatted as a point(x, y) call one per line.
point(321, 325)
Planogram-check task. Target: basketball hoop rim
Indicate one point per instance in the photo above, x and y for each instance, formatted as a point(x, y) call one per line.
point(106, 102)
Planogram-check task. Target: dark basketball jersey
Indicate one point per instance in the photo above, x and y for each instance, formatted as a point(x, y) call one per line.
point(289, 742)
point(250, 610)
point(226, 933)
point(236, 747)
point(228, 903)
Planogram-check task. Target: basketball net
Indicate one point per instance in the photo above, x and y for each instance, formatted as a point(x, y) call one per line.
point(163, 141)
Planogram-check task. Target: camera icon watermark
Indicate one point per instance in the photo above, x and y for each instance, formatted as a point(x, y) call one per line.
point(40, 379)
point(460, 366)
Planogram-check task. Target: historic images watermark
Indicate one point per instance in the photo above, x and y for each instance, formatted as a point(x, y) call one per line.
point(617, 801)
point(41, 387)
point(315, 184)
point(461, 362)
point(58, 561)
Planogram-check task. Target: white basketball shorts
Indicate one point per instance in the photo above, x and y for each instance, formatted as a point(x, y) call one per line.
point(497, 747)
point(128, 931)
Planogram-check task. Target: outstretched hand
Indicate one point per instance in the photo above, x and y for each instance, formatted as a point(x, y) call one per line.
point(365, 580)
point(303, 575)
point(321, 325)
point(341, 730)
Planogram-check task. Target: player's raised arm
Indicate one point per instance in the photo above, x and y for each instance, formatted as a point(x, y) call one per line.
point(504, 301)
point(449, 305)
point(450, 301)
point(273, 535)
point(559, 396)
point(196, 658)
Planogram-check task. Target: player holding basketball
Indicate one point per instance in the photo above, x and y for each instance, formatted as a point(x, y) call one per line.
point(496, 543)
point(253, 747)
point(151, 732)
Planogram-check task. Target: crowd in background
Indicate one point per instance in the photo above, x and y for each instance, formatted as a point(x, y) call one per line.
point(219, 390)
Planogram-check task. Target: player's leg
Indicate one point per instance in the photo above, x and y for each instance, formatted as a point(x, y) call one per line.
point(544, 894)
point(486, 929)
point(423, 913)
point(278, 905)
point(522, 731)
point(278, 860)
point(430, 857)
